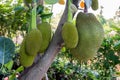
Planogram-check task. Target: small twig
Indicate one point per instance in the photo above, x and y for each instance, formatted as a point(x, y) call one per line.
point(85, 9)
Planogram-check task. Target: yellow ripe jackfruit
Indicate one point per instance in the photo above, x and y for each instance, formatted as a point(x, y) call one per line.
point(25, 60)
point(94, 4)
point(33, 42)
point(70, 35)
point(91, 35)
point(45, 29)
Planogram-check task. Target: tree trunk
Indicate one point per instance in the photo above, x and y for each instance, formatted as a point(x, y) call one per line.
point(38, 71)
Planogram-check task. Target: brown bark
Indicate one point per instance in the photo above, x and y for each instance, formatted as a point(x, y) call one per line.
point(38, 71)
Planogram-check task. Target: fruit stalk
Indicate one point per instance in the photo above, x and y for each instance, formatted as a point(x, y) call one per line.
point(69, 12)
point(33, 17)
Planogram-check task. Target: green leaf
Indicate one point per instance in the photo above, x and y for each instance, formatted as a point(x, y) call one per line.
point(7, 49)
point(63, 49)
point(18, 8)
point(9, 65)
point(12, 77)
point(46, 15)
point(40, 9)
point(51, 1)
point(117, 45)
point(21, 68)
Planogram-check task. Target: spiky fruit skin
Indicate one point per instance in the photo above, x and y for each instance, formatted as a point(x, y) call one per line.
point(45, 29)
point(33, 42)
point(94, 4)
point(70, 35)
point(25, 60)
point(91, 35)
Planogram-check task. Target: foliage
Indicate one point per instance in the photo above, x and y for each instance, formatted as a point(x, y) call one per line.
point(101, 19)
point(11, 20)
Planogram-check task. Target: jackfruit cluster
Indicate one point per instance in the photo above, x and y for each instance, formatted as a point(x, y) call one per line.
point(37, 40)
point(91, 35)
point(70, 35)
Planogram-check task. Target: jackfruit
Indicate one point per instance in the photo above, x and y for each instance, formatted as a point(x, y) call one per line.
point(94, 4)
point(70, 35)
point(45, 29)
point(33, 42)
point(24, 56)
point(91, 35)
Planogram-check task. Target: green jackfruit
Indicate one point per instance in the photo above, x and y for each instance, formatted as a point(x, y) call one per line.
point(91, 35)
point(45, 29)
point(24, 56)
point(70, 35)
point(33, 42)
point(94, 4)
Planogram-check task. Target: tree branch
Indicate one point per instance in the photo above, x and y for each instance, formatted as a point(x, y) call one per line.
point(38, 71)
point(75, 2)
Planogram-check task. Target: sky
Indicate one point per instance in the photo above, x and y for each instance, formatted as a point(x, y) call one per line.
point(110, 6)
